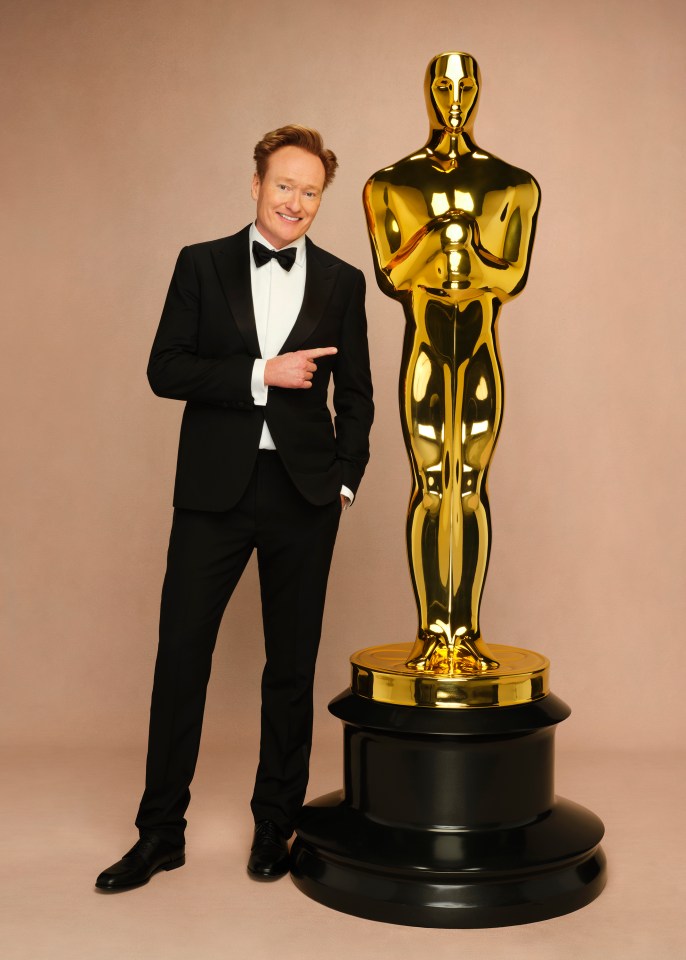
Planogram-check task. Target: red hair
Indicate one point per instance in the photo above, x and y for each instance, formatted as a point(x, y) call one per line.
point(293, 135)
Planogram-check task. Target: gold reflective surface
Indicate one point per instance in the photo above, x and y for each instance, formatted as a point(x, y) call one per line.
point(451, 227)
point(380, 673)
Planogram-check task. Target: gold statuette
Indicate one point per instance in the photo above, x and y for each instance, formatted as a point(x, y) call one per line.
point(451, 228)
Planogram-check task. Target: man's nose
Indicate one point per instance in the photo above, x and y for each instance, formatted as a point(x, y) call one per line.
point(295, 200)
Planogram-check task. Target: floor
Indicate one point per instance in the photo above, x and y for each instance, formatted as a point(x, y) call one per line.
point(68, 815)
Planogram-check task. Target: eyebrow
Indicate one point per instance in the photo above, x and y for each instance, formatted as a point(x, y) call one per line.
point(307, 186)
point(444, 77)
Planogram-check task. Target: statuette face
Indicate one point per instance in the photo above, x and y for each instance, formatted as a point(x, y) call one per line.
point(452, 88)
point(451, 227)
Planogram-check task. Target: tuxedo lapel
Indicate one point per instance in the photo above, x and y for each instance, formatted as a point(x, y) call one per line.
point(232, 261)
point(319, 283)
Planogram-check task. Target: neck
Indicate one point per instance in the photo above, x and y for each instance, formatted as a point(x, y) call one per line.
point(449, 144)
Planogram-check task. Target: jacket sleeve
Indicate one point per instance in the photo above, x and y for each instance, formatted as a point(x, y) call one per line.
point(352, 395)
point(175, 370)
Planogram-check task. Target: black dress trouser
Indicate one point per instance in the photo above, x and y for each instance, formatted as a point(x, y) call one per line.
point(207, 555)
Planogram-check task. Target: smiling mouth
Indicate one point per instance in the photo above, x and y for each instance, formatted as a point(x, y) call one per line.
point(289, 219)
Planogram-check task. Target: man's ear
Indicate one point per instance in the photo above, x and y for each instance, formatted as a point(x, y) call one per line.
point(255, 187)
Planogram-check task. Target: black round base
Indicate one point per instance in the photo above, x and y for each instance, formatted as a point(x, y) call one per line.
point(454, 824)
point(496, 878)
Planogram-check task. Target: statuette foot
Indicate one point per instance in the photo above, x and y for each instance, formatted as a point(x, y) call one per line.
point(466, 655)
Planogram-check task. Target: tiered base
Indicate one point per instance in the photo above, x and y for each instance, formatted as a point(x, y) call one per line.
point(449, 819)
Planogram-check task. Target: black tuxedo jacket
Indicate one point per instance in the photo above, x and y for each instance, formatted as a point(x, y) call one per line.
point(204, 351)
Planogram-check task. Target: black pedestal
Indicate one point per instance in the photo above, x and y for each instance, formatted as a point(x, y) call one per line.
point(448, 819)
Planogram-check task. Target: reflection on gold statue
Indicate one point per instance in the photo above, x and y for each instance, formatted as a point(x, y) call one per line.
point(452, 228)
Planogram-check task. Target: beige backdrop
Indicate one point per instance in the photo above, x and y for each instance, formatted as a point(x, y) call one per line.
point(128, 130)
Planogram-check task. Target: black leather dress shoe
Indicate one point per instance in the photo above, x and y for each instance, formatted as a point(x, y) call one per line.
point(137, 866)
point(269, 852)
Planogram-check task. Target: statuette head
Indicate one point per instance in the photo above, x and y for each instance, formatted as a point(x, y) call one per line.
point(451, 88)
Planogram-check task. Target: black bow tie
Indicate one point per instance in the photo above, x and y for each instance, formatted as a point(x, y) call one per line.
point(263, 255)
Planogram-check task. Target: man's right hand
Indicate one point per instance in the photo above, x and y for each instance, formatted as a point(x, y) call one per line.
point(294, 370)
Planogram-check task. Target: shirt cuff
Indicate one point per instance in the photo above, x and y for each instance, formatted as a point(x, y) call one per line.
point(257, 387)
point(347, 492)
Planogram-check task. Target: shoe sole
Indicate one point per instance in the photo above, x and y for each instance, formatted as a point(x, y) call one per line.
point(267, 877)
point(170, 865)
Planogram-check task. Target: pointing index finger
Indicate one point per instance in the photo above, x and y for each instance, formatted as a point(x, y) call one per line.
point(321, 352)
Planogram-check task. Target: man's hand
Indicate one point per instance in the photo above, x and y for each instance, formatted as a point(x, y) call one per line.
point(294, 370)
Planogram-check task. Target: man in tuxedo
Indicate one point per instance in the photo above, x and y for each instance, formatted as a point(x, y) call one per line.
point(253, 328)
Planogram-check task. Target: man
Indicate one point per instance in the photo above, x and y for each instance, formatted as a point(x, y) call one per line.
point(253, 328)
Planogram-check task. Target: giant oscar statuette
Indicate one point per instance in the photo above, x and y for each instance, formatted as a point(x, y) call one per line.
point(448, 816)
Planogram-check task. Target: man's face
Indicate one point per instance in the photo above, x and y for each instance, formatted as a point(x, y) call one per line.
point(453, 91)
point(289, 195)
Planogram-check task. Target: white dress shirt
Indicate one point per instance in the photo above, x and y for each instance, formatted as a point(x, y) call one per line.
point(277, 297)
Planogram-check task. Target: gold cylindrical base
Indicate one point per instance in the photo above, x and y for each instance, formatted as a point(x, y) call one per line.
point(380, 673)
